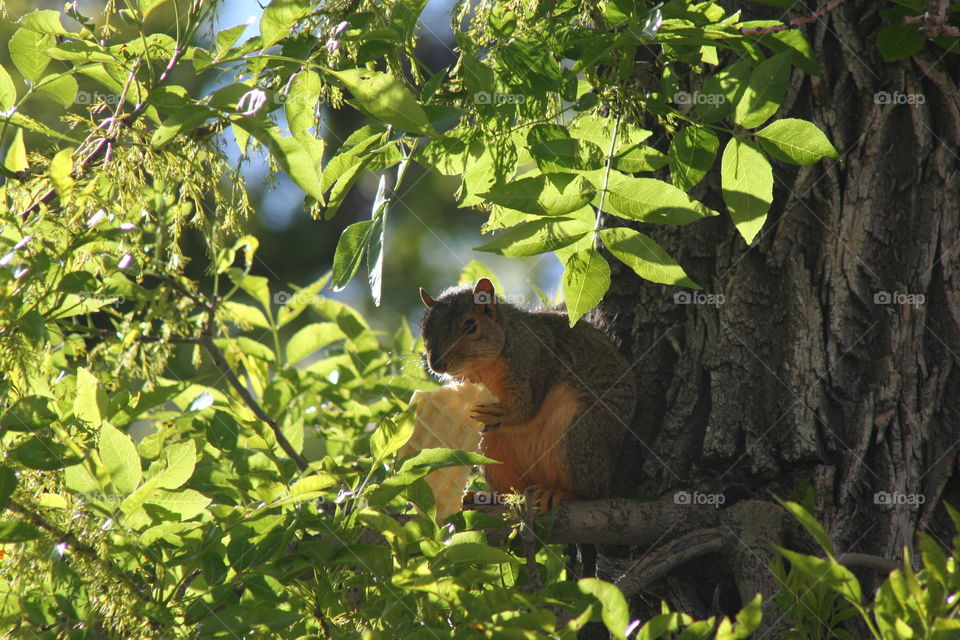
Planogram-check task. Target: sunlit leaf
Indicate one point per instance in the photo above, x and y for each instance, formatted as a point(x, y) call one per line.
point(747, 180)
point(647, 258)
point(586, 278)
point(386, 98)
point(796, 141)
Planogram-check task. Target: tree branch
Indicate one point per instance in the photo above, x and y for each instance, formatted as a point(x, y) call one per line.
point(934, 20)
point(796, 22)
point(220, 361)
point(666, 558)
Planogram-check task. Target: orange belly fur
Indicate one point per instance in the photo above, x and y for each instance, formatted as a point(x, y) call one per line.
point(532, 453)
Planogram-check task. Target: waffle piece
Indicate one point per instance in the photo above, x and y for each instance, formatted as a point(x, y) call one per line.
point(443, 420)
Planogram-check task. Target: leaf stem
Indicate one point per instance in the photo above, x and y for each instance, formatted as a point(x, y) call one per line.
point(606, 181)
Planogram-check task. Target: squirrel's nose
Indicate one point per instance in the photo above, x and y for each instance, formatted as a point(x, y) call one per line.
point(439, 365)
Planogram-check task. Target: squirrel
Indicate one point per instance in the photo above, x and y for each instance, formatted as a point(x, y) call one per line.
point(566, 395)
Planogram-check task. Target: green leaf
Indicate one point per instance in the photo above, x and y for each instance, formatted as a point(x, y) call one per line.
point(45, 21)
point(228, 37)
point(431, 459)
point(722, 91)
point(388, 438)
point(692, 152)
point(186, 503)
point(245, 313)
point(279, 17)
point(537, 236)
point(747, 181)
point(387, 99)
point(899, 41)
point(43, 453)
point(829, 572)
point(567, 154)
point(312, 338)
point(79, 479)
point(549, 194)
point(180, 460)
point(444, 154)
point(300, 161)
point(810, 524)
point(652, 200)
point(376, 240)
point(349, 253)
point(300, 104)
point(16, 158)
point(472, 553)
point(176, 468)
point(750, 617)
point(14, 531)
point(803, 57)
point(615, 612)
point(26, 122)
point(586, 278)
point(476, 270)
point(27, 52)
point(8, 484)
point(8, 92)
point(28, 414)
point(62, 90)
point(186, 118)
point(61, 170)
point(765, 90)
point(223, 431)
point(89, 399)
point(647, 258)
point(796, 141)
point(311, 485)
point(257, 287)
point(148, 6)
point(120, 458)
point(639, 157)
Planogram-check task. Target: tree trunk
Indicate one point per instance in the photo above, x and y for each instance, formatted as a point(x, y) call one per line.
point(833, 355)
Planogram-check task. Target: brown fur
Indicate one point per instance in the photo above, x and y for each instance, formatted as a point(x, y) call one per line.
point(565, 394)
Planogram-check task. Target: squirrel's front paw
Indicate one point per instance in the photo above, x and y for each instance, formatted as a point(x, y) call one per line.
point(490, 415)
point(549, 499)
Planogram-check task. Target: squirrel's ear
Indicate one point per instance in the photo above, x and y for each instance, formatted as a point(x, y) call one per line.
point(485, 294)
point(485, 286)
point(427, 300)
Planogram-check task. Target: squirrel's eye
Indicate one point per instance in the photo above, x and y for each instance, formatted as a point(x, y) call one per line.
point(469, 326)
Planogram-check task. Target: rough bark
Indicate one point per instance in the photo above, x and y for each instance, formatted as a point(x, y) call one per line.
point(803, 373)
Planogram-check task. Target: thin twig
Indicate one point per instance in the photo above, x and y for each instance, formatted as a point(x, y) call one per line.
point(104, 142)
point(796, 22)
point(934, 20)
point(530, 540)
point(135, 587)
point(220, 361)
